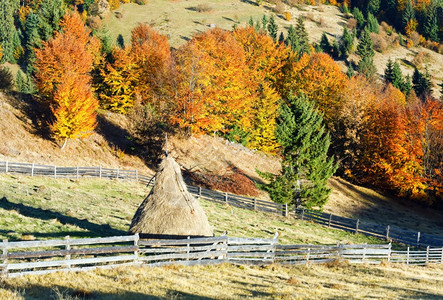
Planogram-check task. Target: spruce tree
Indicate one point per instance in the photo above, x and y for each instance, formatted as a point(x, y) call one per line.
point(272, 28)
point(251, 22)
point(335, 50)
point(408, 13)
point(50, 13)
point(373, 25)
point(6, 79)
point(264, 22)
point(397, 76)
point(306, 166)
point(365, 47)
point(281, 38)
point(347, 40)
point(7, 29)
point(358, 15)
point(422, 83)
point(389, 71)
point(32, 40)
point(324, 43)
point(430, 26)
point(292, 40)
point(407, 86)
point(302, 35)
point(350, 72)
point(373, 7)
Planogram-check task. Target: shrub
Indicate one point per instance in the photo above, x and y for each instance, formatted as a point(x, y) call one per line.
point(94, 22)
point(420, 58)
point(288, 16)
point(415, 38)
point(203, 7)
point(379, 42)
point(409, 43)
point(279, 8)
point(352, 23)
point(141, 2)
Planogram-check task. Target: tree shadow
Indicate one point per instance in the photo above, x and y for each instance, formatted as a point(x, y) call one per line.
point(114, 134)
point(44, 214)
point(250, 2)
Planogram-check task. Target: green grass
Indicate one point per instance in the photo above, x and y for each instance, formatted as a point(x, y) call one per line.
point(45, 208)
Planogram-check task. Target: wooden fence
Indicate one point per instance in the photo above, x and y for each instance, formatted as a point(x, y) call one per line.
point(41, 257)
point(390, 233)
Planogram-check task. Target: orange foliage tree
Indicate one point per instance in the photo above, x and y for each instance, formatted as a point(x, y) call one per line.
point(63, 79)
point(212, 90)
point(139, 71)
point(319, 78)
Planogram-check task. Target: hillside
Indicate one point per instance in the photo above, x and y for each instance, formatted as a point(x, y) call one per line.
point(207, 155)
point(180, 21)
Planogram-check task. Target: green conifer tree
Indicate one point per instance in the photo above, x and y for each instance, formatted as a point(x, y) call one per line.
point(324, 43)
point(373, 25)
point(50, 13)
point(358, 15)
point(389, 71)
point(347, 40)
point(407, 86)
point(350, 72)
point(7, 29)
point(365, 47)
point(302, 35)
point(264, 22)
point(397, 76)
point(373, 7)
point(32, 40)
point(281, 38)
point(272, 28)
point(292, 40)
point(335, 50)
point(408, 13)
point(430, 26)
point(306, 166)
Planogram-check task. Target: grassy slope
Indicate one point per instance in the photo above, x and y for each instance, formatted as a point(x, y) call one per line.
point(179, 21)
point(44, 208)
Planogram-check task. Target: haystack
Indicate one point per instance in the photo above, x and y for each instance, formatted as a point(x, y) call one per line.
point(170, 209)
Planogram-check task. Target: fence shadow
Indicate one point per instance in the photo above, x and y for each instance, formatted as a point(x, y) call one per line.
point(44, 214)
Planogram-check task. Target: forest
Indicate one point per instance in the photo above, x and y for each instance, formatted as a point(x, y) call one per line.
point(273, 92)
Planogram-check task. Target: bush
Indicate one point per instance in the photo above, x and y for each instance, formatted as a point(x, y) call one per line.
point(6, 79)
point(94, 22)
point(141, 2)
point(279, 7)
point(352, 23)
point(415, 38)
point(379, 42)
point(203, 7)
point(420, 58)
point(288, 16)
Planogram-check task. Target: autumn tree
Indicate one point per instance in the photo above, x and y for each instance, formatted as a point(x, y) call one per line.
point(63, 80)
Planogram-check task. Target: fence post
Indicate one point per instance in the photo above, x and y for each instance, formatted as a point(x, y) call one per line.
point(6, 167)
point(364, 252)
point(187, 248)
point(356, 225)
point(286, 209)
point(427, 254)
point(136, 239)
point(441, 255)
point(303, 213)
point(390, 252)
point(100, 171)
point(418, 238)
point(117, 173)
point(255, 203)
point(199, 192)
point(307, 255)
point(5, 257)
point(226, 197)
point(32, 170)
point(388, 228)
point(68, 248)
point(407, 257)
point(330, 219)
point(77, 172)
point(136, 175)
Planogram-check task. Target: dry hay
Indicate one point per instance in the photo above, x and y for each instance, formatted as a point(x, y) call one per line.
point(169, 208)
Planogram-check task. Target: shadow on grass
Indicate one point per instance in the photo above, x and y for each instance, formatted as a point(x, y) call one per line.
point(114, 134)
point(43, 214)
point(36, 291)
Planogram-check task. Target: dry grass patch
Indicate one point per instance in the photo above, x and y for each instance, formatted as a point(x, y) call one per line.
point(233, 282)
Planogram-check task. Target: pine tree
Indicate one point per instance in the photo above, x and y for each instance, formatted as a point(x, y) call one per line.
point(306, 166)
point(397, 76)
point(272, 28)
point(264, 22)
point(7, 29)
point(389, 71)
point(31, 40)
point(251, 22)
point(373, 7)
point(324, 43)
point(430, 26)
point(366, 67)
point(358, 15)
point(350, 72)
point(292, 40)
point(407, 86)
point(302, 35)
point(373, 23)
point(335, 50)
point(347, 40)
point(422, 83)
point(50, 13)
point(365, 47)
point(408, 14)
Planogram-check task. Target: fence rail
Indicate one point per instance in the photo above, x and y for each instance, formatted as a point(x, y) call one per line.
point(390, 233)
point(42, 257)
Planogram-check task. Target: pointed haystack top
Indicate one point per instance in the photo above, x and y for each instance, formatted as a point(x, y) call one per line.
point(169, 208)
